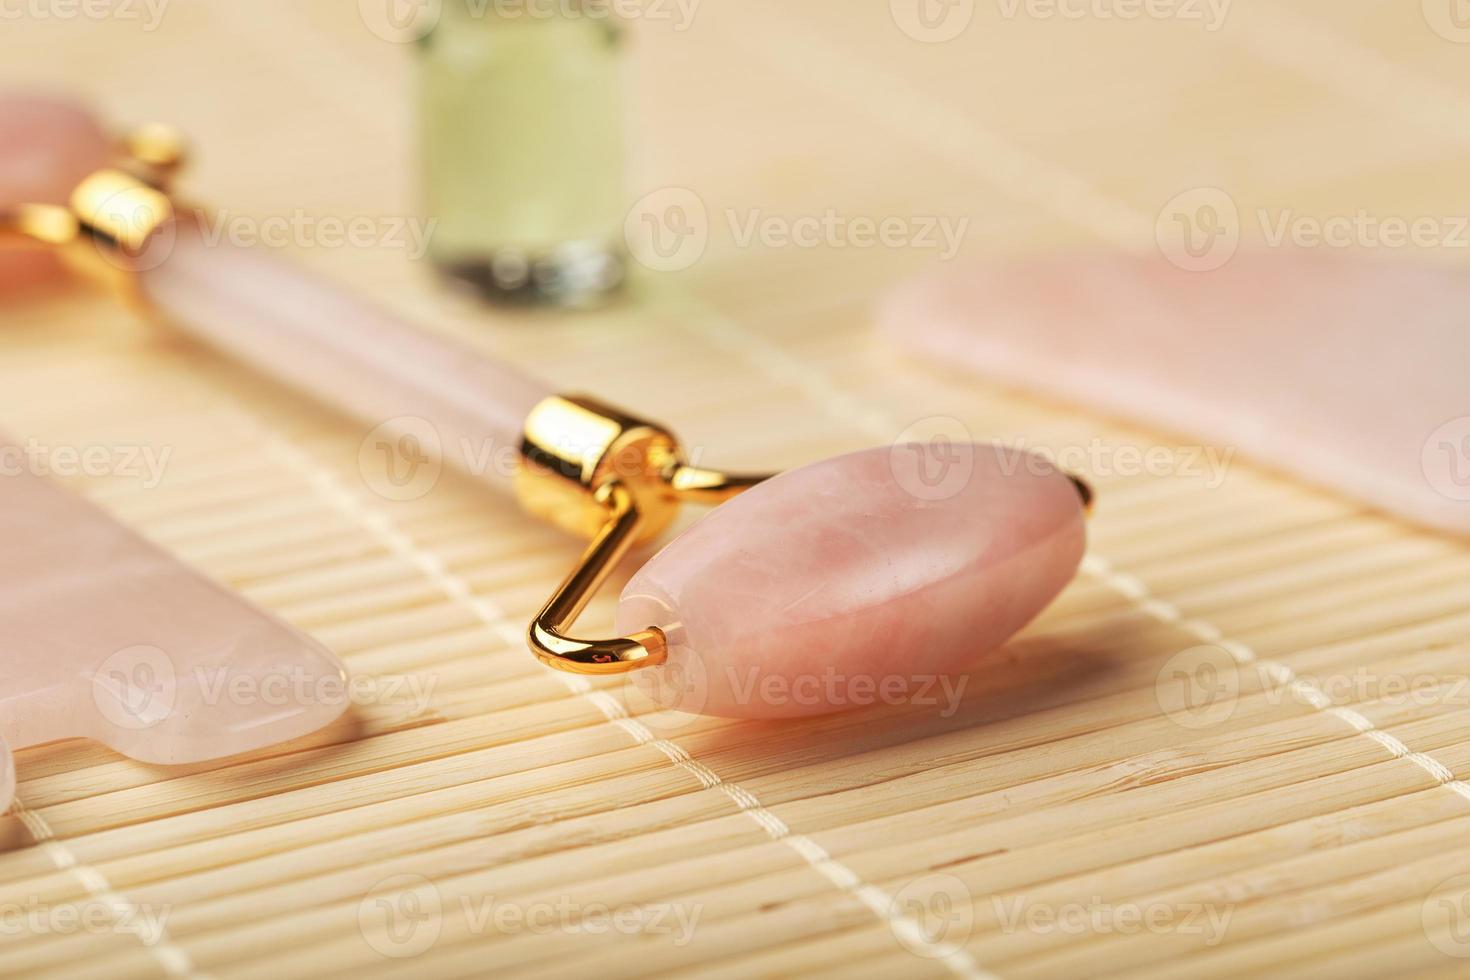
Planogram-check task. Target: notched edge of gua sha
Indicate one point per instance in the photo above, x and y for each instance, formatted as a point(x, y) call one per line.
point(856, 580)
point(111, 638)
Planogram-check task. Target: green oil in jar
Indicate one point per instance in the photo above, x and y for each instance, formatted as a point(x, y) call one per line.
point(522, 115)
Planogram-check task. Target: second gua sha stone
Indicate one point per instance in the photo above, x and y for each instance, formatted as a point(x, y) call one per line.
point(1345, 371)
point(856, 580)
point(110, 638)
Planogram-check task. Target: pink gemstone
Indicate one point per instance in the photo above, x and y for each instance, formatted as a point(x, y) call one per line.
point(110, 638)
point(451, 401)
point(1346, 371)
point(855, 581)
point(49, 146)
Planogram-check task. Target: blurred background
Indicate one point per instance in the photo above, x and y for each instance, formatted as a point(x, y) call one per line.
point(773, 155)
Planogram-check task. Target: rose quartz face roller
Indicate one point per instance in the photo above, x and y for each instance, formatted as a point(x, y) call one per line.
point(108, 637)
point(889, 566)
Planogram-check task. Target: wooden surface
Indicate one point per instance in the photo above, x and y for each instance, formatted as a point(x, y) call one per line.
point(1231, 748)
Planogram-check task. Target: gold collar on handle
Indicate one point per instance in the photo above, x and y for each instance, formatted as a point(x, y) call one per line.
point(111, 216)
point(599, 473)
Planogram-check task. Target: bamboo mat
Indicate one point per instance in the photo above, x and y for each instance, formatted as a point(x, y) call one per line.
point(1231, 748)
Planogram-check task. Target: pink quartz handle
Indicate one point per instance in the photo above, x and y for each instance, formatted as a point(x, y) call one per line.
point(277, 317)
point(47, 145)
point(456, 403)
point(865, 579)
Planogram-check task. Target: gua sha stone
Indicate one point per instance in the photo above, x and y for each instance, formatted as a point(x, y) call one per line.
point(857, 580)
point(1346, 372)
point(109, 638)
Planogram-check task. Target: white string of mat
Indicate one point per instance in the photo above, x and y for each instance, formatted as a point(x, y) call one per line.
point(125, 914)
point(1132, 588)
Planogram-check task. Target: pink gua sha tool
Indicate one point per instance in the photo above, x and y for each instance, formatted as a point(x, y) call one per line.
point(1343, 371)
point(107, 637)
point(863, 568)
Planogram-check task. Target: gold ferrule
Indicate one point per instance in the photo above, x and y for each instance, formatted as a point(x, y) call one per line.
point(572, 446)
point(114, 217)
point(119, 216)
point(618, 480)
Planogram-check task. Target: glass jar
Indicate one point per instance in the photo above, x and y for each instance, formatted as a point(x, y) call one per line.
point(522, 116)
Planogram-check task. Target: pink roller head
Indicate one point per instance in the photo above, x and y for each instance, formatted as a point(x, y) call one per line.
point(858, 580)
point(49, 145)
